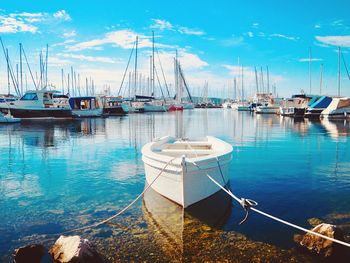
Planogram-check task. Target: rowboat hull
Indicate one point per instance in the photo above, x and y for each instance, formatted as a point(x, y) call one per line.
point(184, 182)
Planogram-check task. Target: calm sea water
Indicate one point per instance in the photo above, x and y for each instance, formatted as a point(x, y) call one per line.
point(55, 176)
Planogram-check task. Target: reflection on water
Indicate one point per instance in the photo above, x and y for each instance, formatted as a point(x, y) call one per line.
point(174, 227)
point(59, 175)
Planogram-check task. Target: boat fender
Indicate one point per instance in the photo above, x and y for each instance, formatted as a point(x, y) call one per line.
point(247, 204)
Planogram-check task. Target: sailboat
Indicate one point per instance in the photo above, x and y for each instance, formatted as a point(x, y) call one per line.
point(178, 168)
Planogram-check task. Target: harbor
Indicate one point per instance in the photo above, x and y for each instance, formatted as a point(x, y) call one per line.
point(135, 132)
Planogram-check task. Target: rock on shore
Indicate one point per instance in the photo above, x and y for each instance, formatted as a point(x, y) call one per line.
point(69, 249)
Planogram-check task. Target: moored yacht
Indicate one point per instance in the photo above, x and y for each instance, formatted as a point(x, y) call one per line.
point(114, 106)
point(35, 104)
point(339, 108)
point(316, 108)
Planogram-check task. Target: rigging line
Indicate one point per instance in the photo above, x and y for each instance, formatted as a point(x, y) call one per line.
point(15, 84)
point(30, 71)
point(132, 51)
point(166, 84)
point(160, 86)
point(346, 67)
point(184, 80)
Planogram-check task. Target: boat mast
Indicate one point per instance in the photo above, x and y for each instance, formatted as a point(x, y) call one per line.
point(135, 70)
point(8, 72)
point(338, 71)
point(310, 72)
point(256, 81)
point(62, 74)
point(46, 63)
point(321, 79)
point(153, 63)
point(268, 79)
point(242, 86)
point(20, 66)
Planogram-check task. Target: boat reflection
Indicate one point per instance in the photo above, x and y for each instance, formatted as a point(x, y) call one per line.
point(336, 129)
point(176, 229)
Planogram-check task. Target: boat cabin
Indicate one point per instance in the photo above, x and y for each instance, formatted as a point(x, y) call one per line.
point(84, 103)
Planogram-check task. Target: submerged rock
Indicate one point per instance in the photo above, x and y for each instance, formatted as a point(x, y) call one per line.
point(323, 247)
point(30, 253)
point(69, 249)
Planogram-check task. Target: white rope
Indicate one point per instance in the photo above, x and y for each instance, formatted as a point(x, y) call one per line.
point(273, 217)
point(125, 208)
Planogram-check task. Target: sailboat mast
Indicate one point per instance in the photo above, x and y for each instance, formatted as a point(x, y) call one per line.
point(256, 80)
point(153, 66)
point(135, 70)
point(268, 79)
point(62, 74)
point(338, 71)
point(20, 66)
point(242, 85)
point(321, 79)
point(310, 72)
point(46, 64)
point(8, 71)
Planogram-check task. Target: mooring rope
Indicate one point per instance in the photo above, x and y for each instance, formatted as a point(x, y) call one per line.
point(247, 204)
point(125, 208)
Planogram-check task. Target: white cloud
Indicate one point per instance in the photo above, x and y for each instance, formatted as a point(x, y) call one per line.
point(70, 34)
point(343, 41)
point(308, 59)
point(28, 22)
point(10, 24)
point(62, 14)
point(122, 38)
point(161, 24)
point(339, 22)
point(89, 58)
point(284, 36)
point(189, 31)
point(317, 26)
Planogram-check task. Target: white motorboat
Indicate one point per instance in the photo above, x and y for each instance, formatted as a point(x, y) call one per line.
point(183, 166)
point(339, 108)
point(270, 109)
point(8, 118)
point(36, 104)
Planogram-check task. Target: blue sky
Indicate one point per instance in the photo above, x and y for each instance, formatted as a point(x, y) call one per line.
point(212, 38)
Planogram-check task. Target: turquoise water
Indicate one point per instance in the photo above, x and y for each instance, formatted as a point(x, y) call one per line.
point(55, 176)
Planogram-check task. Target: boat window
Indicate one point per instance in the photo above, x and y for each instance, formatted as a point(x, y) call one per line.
point(30, 96)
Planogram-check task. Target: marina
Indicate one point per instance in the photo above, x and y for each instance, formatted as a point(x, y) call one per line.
point(141, 132)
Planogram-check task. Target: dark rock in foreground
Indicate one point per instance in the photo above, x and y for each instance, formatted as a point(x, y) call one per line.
point(69, 249)
point(30, 253)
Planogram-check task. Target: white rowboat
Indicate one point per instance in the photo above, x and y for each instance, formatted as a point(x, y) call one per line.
point(183, 166)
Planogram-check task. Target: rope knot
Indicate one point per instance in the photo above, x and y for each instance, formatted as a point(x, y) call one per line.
point(247, 204)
